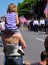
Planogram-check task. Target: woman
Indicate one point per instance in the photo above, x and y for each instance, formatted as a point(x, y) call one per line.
point(12, 21)
point(10, 44)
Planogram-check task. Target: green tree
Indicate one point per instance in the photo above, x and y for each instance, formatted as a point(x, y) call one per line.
point(39, 8)
point(26, 8)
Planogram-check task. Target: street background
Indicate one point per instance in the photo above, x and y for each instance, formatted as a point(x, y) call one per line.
point(35, 44)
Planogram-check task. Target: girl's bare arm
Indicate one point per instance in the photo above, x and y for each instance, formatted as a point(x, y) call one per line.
point(17, 20)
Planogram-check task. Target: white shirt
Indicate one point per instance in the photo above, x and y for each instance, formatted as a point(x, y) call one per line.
point(35, 22)
point(42, 21)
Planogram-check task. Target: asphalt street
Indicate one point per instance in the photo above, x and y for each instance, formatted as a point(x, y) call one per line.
point(35, 44)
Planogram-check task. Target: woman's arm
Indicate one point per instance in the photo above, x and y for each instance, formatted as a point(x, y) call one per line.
point(21, 39)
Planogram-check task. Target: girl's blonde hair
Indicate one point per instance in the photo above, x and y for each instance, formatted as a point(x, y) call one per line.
point(12, 8)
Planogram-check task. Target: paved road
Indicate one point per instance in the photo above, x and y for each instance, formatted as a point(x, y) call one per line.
point(35, 44)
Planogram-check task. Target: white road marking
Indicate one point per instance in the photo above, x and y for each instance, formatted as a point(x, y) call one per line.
point(40, 39)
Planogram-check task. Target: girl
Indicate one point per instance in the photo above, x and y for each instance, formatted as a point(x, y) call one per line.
point(12, 22)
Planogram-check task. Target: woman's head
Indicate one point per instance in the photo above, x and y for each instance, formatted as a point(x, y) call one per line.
point(12, 8)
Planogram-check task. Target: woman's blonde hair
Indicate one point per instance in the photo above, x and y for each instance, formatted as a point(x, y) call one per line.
point(12, 8)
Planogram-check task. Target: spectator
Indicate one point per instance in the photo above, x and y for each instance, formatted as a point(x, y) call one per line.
point(46, 25)
point(31, 24)
point(35, 25)
point(12, 21)
point(43, 59)
point(27, 62)
point(10, 45)
point(42, 24)
point(46, 43)
point(11, 37)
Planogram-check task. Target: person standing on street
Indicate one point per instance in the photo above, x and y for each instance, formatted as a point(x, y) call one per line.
point(12, 37)
point(43, 59)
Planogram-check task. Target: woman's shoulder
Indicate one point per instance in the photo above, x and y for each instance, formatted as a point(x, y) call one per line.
point(17, 35)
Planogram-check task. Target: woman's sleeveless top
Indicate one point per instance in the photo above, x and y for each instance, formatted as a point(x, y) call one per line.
point(10, 23)
point(11, 49)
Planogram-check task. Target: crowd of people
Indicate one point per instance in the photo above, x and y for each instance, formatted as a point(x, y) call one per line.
point(14, 43)
point(38, 25)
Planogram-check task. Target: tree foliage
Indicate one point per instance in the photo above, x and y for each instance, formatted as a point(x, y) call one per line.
point(26, 7)
point(29, 8)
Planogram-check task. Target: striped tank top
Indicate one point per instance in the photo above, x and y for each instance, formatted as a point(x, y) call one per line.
point(11, 21)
